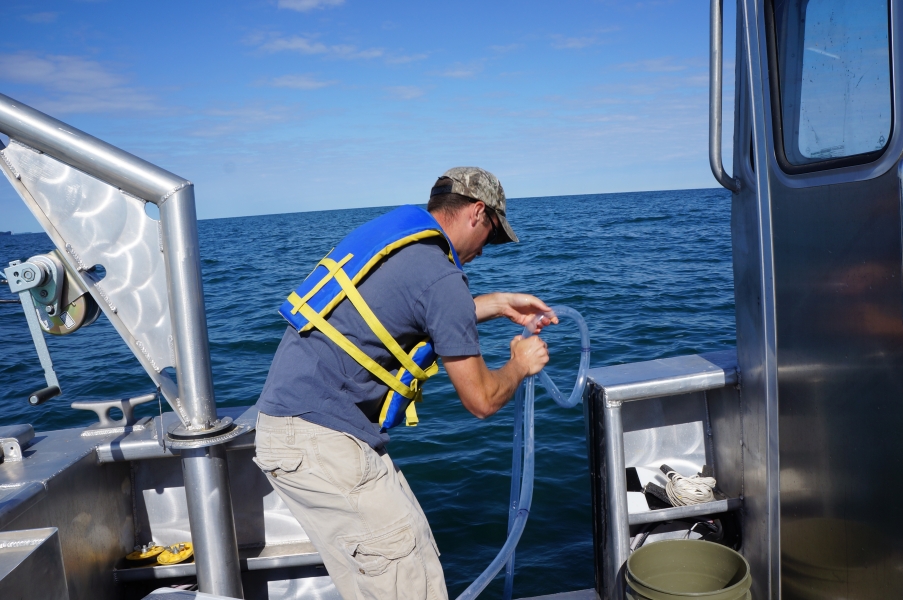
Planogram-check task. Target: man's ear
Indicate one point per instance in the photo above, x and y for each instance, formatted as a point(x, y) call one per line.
point(476, 213)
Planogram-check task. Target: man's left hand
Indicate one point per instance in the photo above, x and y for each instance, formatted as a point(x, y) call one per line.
point(521, 309)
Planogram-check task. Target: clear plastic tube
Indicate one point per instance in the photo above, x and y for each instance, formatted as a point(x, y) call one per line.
point(516, 467)
point(523, 502)
point(522, 495)
point(577, 393)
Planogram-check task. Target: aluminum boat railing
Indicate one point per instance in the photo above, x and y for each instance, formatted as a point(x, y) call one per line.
point(678, 411)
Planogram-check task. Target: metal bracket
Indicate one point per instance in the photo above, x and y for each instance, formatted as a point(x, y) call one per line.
point(22, 278)
point(13, 440)
point(107, 424)
point(180, 437)
point(12, 450)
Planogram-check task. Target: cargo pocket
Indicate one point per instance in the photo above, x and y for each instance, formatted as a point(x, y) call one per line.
point(388, 565)
point(344, 460)
point(279, 464)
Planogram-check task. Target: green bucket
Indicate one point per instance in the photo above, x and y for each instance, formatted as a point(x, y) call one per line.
point(687, 569)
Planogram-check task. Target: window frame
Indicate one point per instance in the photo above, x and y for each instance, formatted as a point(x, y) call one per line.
point(777, 108)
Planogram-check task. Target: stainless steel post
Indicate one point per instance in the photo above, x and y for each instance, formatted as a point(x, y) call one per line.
point(186, 304)
point(618, 517)
point(205, 470)
point(210, 516)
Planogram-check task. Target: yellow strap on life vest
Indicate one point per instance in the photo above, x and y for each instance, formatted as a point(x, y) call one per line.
point(432, 369)
point(297, 301)
point(356, 353)
point(381, 332)
point(410, 412)
point(349, 290)
point(362, 272)
point(410, 416)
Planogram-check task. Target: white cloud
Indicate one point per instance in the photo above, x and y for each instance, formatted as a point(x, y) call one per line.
point(462, 71)
point(296, 44)
point(405, 92)
point(307, 5)
point(573, 43)
point(506, 48)
point(305, 45)
point(593, 38)
point(76, 85)
point(41, 17)
point(236, 120)
point(404, 59)
point(299, 82)
point(352, 52)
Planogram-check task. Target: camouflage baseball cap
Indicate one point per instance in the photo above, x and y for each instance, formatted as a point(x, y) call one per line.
point(477, 184)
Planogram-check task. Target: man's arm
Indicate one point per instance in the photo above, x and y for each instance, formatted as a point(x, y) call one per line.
point(519, 308)
point(484, 392)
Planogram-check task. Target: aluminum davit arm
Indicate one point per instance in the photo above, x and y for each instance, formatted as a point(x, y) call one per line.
point(203, 459)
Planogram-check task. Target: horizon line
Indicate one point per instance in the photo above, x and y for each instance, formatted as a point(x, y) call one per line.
point(715, 187)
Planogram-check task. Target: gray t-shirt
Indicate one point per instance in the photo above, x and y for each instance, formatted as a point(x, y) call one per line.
point(415, 293)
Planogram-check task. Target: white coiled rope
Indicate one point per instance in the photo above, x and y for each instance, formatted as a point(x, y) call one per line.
point(684, 491)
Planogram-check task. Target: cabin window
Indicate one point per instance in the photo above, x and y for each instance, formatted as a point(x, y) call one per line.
point(834, 82)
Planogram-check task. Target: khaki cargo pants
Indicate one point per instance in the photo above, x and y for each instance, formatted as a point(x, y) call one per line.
point(356, 507)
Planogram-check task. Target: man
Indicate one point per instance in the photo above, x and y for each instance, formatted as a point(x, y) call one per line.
point(387, 289)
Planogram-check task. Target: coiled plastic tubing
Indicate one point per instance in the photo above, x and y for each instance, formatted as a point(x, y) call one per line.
point(522, 466)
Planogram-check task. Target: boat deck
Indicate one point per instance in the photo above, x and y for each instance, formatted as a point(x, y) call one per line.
point(170, 594)
point(577, 595)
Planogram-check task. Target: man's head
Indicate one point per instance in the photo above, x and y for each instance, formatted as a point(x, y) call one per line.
point(469, 203)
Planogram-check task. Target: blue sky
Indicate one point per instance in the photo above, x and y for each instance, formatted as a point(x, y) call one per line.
point(274, 106)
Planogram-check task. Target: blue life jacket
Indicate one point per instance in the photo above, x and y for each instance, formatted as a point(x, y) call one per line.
point(336, 277)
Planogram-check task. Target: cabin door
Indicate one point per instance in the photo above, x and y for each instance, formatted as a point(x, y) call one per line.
point(817, 254)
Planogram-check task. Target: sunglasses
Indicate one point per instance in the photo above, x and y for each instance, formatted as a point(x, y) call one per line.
point(494, 232)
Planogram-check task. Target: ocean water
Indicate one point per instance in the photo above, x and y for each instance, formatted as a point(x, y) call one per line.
point(650, 272)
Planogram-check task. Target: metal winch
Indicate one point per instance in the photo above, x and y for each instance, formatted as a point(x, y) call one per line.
point(55, 301)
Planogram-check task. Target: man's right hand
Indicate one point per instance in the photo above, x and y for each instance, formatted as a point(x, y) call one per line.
point(484, 392)
point(530, 354)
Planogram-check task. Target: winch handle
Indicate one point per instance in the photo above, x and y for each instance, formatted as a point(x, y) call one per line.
point(22, 277)
point(43, 395)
